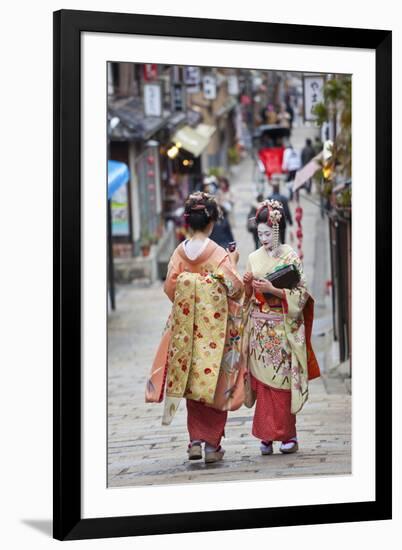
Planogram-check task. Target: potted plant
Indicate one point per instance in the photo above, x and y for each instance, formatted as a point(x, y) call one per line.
point(145, 243)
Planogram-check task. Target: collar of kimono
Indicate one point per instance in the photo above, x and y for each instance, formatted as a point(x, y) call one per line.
point(208, 250)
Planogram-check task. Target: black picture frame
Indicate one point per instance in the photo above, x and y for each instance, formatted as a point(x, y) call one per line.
point(67, 520)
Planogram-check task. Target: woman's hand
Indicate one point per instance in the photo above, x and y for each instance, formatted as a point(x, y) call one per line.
point(263, 286)
point(266, 287)
point(248, 284)
point(248, 278)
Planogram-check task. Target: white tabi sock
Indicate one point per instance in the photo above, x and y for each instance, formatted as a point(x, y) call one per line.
point(210, 448)
point(290, 444)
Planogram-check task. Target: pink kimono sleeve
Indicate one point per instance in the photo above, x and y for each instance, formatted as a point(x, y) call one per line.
point(231, 279)
point(170, 283)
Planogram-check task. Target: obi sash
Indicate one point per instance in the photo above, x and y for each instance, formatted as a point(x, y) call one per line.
point(197, 344)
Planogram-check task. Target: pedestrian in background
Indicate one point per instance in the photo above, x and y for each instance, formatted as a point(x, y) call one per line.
point(290, 111)
point(307, 154)
point(199, 352)
point(283, 116)
point(226, 199)
point(222, 231)
point(291, 163)
point(210, 185)
point(269, 115)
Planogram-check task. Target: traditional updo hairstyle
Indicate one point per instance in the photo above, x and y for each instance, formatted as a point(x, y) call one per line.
point(262, 216)
point(270, 212)
point(200, 209)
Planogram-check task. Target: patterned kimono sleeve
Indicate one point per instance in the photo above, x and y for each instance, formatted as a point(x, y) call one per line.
point(295, 299)
point(171, 278)
point(231, 279)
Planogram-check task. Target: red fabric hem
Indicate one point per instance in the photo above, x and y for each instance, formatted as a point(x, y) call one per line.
point(205, 423)
point(272, 420)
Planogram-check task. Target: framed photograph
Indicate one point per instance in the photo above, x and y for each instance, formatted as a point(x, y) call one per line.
point(206, 258)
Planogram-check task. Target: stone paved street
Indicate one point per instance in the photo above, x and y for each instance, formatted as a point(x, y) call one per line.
point(142, 452)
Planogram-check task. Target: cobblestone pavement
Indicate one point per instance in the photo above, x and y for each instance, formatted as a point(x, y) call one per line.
point(142, 452)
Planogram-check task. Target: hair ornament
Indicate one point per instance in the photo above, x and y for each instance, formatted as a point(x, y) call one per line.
point(274, 216)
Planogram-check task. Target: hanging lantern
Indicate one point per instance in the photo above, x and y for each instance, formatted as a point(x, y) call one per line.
point(173, 152)
point(328, 170)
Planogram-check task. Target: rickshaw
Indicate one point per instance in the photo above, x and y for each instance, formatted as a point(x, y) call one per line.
point(268, 148)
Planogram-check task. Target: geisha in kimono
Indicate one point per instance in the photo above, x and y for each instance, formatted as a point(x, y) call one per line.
point(199, 354)
point(276, 344)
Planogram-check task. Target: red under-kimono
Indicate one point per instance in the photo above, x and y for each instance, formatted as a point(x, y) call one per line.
point(205, 423)
point(272, 420)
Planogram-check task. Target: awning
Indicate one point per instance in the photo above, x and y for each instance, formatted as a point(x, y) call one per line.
point(133, 124)
point(117, 175)
point(205, 130)
point(306, 172)
point(194, 140)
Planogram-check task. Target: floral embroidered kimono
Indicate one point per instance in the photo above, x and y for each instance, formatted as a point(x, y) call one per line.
point(277, 348)
point(199, 355)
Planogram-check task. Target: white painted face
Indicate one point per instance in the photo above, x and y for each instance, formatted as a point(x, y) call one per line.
point(265, 235)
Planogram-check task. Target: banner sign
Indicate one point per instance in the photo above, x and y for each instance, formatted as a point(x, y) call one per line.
point(209, 86)
point(192, 78)
point(233, 85)
point(153, 99)
point(150, 71)
point(178, 97)
point(313, 93)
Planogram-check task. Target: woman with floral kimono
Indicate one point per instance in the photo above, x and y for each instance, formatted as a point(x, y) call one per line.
point(276, 343)
point(199, 355)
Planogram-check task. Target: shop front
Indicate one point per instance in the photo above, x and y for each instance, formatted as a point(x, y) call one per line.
point(184, 170)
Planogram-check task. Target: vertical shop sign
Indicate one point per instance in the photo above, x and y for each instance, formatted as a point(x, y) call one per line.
point(192, 79)
point(209, 86)
point(233, 85)
point(179, 97)
point(149, 188)
point(313, 93)
point(153, 99)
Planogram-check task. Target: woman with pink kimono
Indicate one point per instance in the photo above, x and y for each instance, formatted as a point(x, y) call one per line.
point(199, 354)
point(277, 337)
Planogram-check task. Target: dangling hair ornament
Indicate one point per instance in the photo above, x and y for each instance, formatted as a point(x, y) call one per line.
point(274, 216)
point(275, 235)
